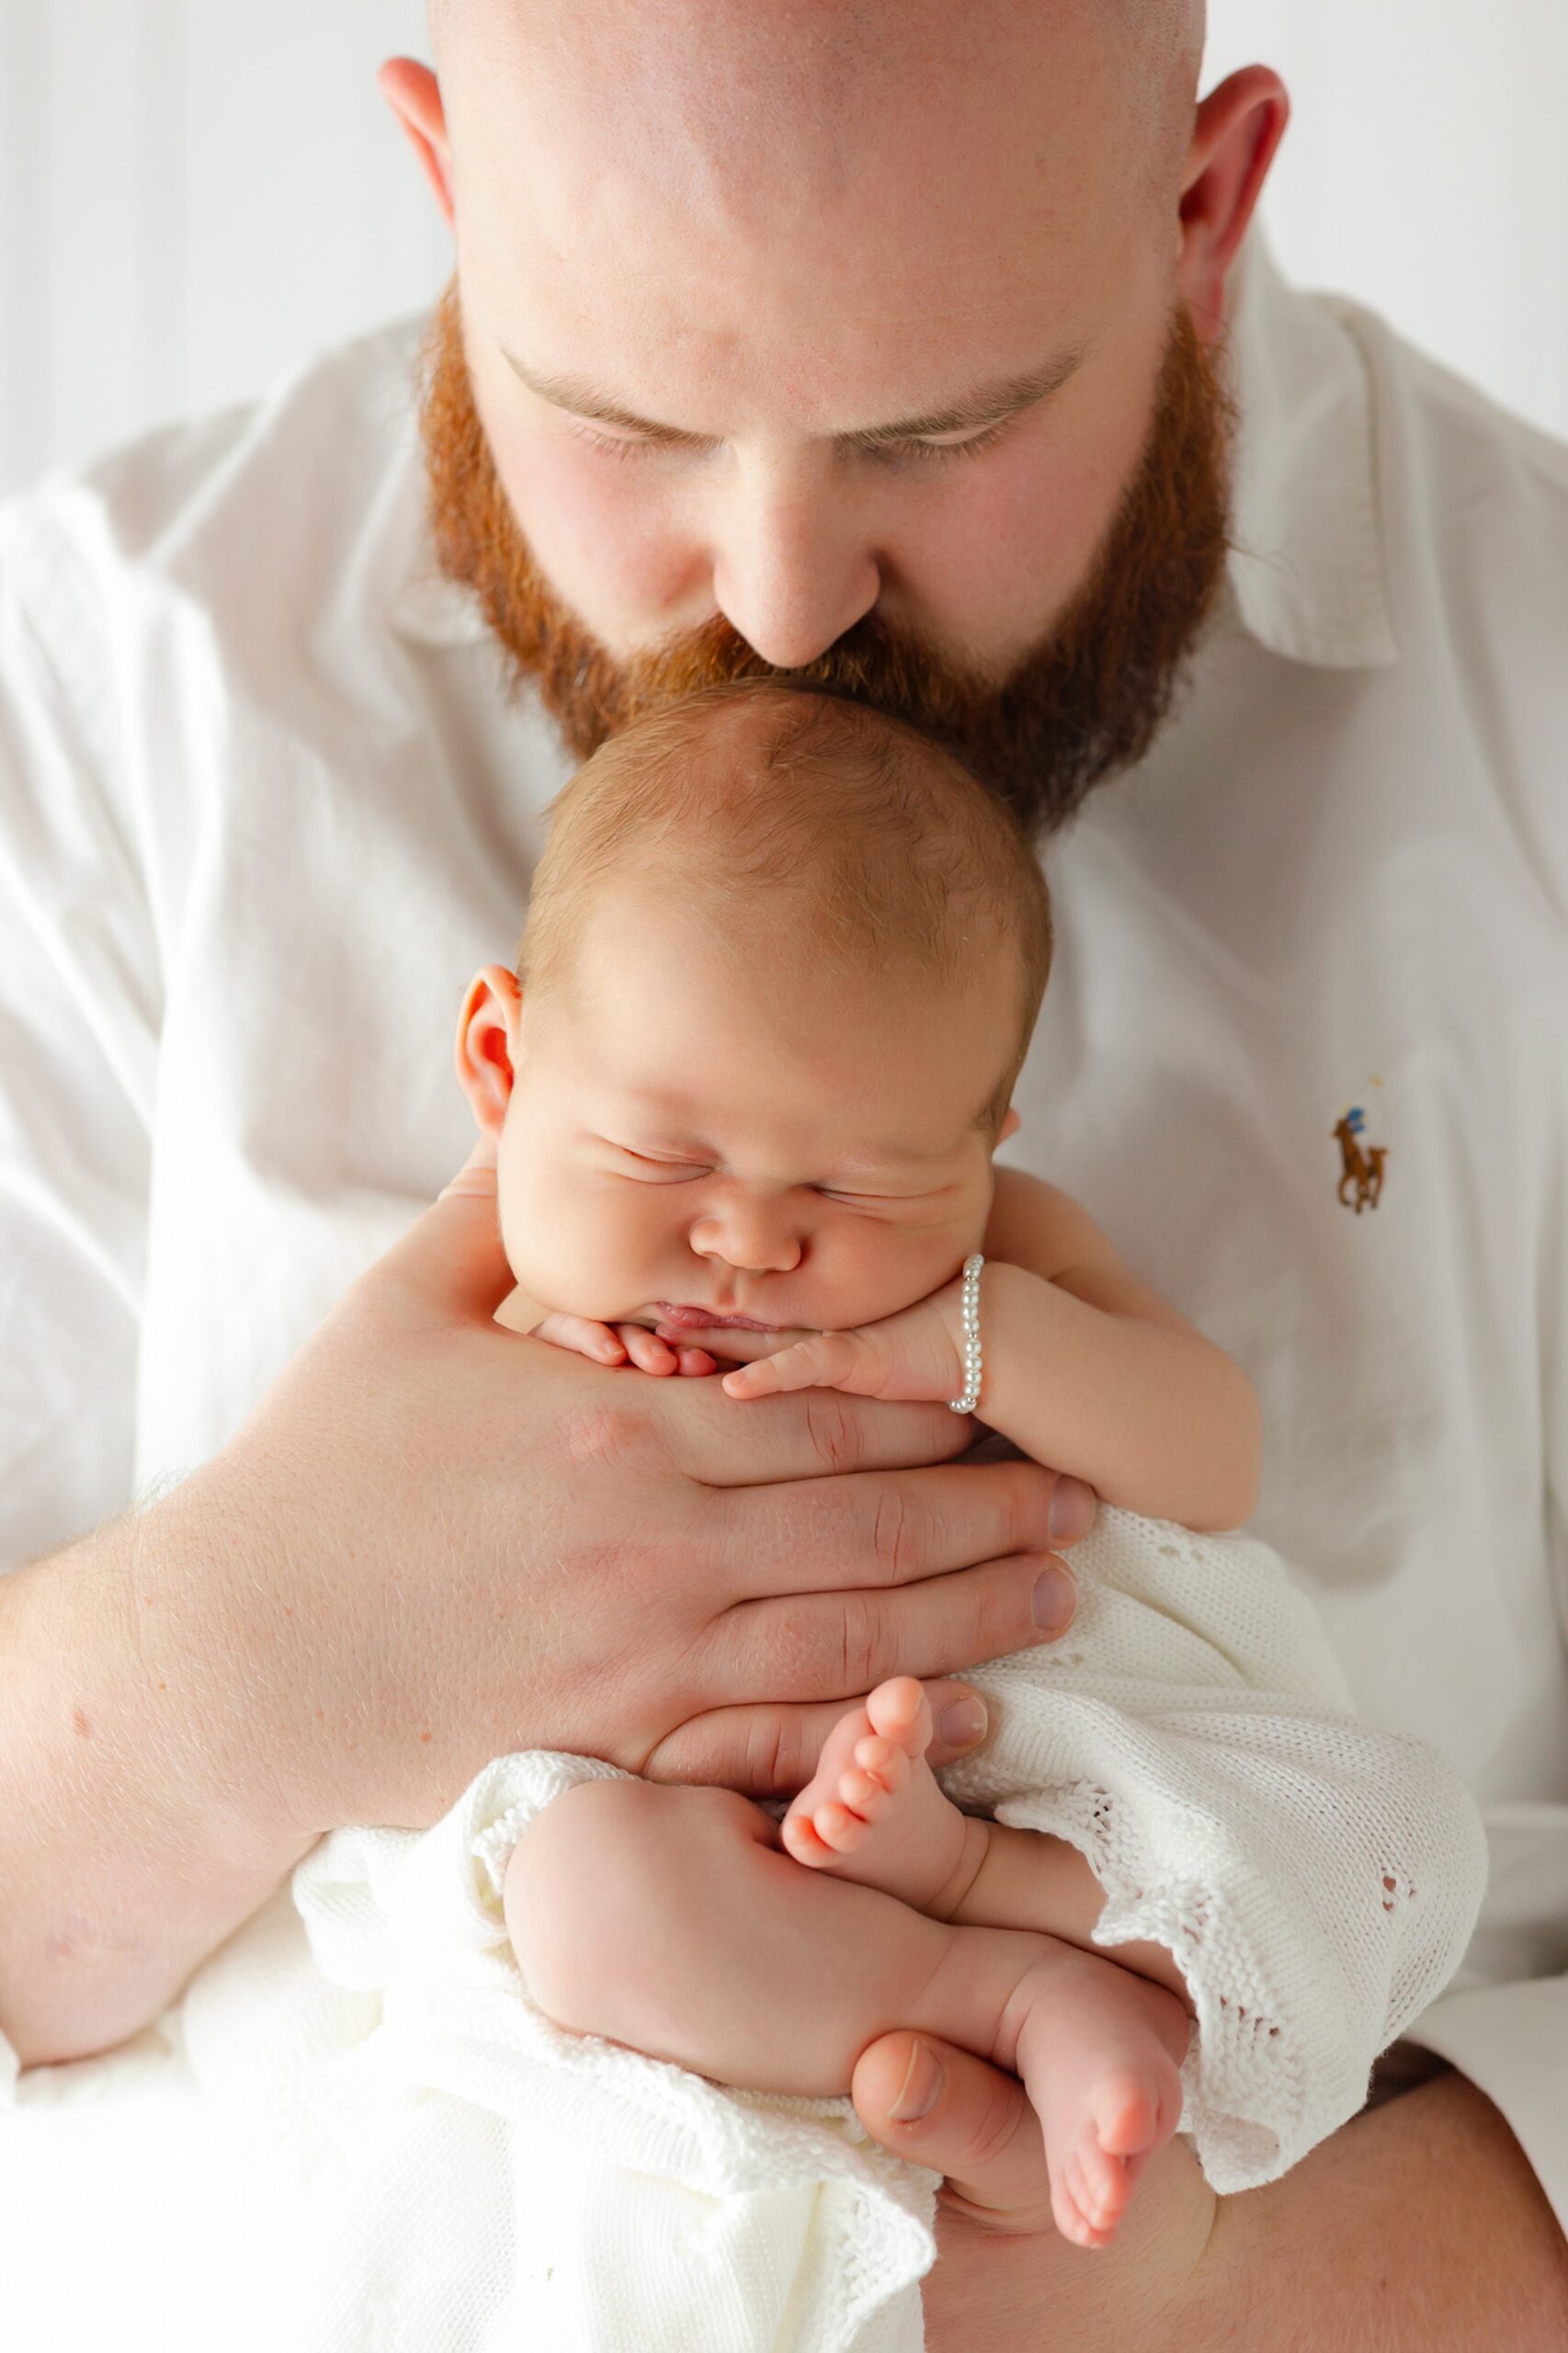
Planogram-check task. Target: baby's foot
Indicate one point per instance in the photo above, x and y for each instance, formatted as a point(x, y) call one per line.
point(873, 1810)
point(1100, 2052)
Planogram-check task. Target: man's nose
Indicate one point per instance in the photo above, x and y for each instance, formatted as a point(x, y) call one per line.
point(754, 1236)
point(792, 570)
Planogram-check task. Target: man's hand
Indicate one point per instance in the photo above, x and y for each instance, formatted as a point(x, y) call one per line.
point(1003, 2265)
point(1370, 2245)
point(451, 1542)
point(436, 1543)
point(944, 2108)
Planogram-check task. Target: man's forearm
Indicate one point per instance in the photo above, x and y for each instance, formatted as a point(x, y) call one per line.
point(132, 1839)
point(1418, 2228)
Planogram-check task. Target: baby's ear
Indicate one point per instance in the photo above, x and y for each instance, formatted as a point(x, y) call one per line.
point(1010, 1125)
point(487, 1030)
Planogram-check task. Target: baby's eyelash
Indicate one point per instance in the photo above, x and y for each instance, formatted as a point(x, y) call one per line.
point(866, 1200)
point(669, 1171)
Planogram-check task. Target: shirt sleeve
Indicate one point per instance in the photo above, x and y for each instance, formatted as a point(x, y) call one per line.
point(79, 1012)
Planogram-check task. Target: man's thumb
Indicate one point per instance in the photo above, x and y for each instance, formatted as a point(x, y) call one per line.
point(946, 2109)
point(452, 1252)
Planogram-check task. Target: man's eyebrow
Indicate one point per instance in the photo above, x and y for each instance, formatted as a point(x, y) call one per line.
point(987, 404)
point(990, 404)
point(581, 399)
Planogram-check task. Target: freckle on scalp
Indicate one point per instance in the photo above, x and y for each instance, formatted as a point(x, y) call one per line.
point(79, 1723)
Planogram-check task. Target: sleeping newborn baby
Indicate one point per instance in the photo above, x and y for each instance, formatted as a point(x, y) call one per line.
point(782, 964)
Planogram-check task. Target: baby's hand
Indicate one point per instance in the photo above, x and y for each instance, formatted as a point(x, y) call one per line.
point(620, 1344)
point(913, 1354)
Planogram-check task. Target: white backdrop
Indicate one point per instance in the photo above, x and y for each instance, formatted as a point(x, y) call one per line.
point(194, 193)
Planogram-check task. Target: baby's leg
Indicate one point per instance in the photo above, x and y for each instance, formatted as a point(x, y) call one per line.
point(1095, 2062)
point(670, 1920)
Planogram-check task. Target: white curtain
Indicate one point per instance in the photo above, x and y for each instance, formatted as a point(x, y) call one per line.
point(194, 194)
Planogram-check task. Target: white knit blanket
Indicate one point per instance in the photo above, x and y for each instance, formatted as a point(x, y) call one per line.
point(507, 2185)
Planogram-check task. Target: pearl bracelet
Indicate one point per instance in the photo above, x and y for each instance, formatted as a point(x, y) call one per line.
point(970, 1305)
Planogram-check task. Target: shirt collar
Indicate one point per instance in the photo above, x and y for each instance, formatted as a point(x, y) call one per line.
point(1306, 568)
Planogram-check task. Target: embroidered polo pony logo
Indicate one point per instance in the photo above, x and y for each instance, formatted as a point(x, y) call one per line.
point(1360, 1165)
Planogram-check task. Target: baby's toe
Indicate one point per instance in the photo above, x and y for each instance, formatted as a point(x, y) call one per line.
point(1129, 2113)
point(1069, 2199)
point(885, 1762)
point(864, 1795)
point(878, 1760)
point(838, 1829)
point(900, 1710)
point(799, 1832)
point(1106, 2189)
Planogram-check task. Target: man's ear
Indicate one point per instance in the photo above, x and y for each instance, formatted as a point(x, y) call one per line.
point(414, 96)
point(487, 1045)
point(1235, 132)
point(1010, 1125)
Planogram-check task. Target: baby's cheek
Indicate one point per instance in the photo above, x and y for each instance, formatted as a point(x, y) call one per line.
point(578, 1247)
point(871, 1269)
point(539, 1220)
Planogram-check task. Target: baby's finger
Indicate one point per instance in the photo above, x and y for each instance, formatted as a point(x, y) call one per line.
point(583, 1337)
point(694, 1361)
point(645, 1348)
point(796, 1368)
point(725, 1341)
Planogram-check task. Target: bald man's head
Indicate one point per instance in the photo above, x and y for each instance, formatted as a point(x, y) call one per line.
point(810, 79)
point(800, 328)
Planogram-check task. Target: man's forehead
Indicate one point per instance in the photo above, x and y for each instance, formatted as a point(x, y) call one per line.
point(917, 122)
point(760, 47)
point(642, 217)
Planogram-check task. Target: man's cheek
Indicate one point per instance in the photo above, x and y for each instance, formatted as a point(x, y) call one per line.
point(612, 549)
point(995, 567)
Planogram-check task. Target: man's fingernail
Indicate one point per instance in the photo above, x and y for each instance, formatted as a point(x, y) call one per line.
point(1055, 1598)
point(962, 1726)
point(1071, 1510)
point(921, 2088)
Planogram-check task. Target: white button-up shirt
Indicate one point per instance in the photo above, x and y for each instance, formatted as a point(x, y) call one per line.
point(265, 805)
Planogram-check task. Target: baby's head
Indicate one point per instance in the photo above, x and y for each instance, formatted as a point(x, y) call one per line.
point(782, 962)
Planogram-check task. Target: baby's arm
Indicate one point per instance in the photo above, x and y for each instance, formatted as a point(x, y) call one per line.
point(1085, 1369)
point(1090, 1370)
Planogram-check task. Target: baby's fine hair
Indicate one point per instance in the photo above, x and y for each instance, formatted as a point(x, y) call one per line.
point(839, 833)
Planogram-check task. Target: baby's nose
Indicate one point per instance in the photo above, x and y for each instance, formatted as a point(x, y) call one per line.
point(751, 1239)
